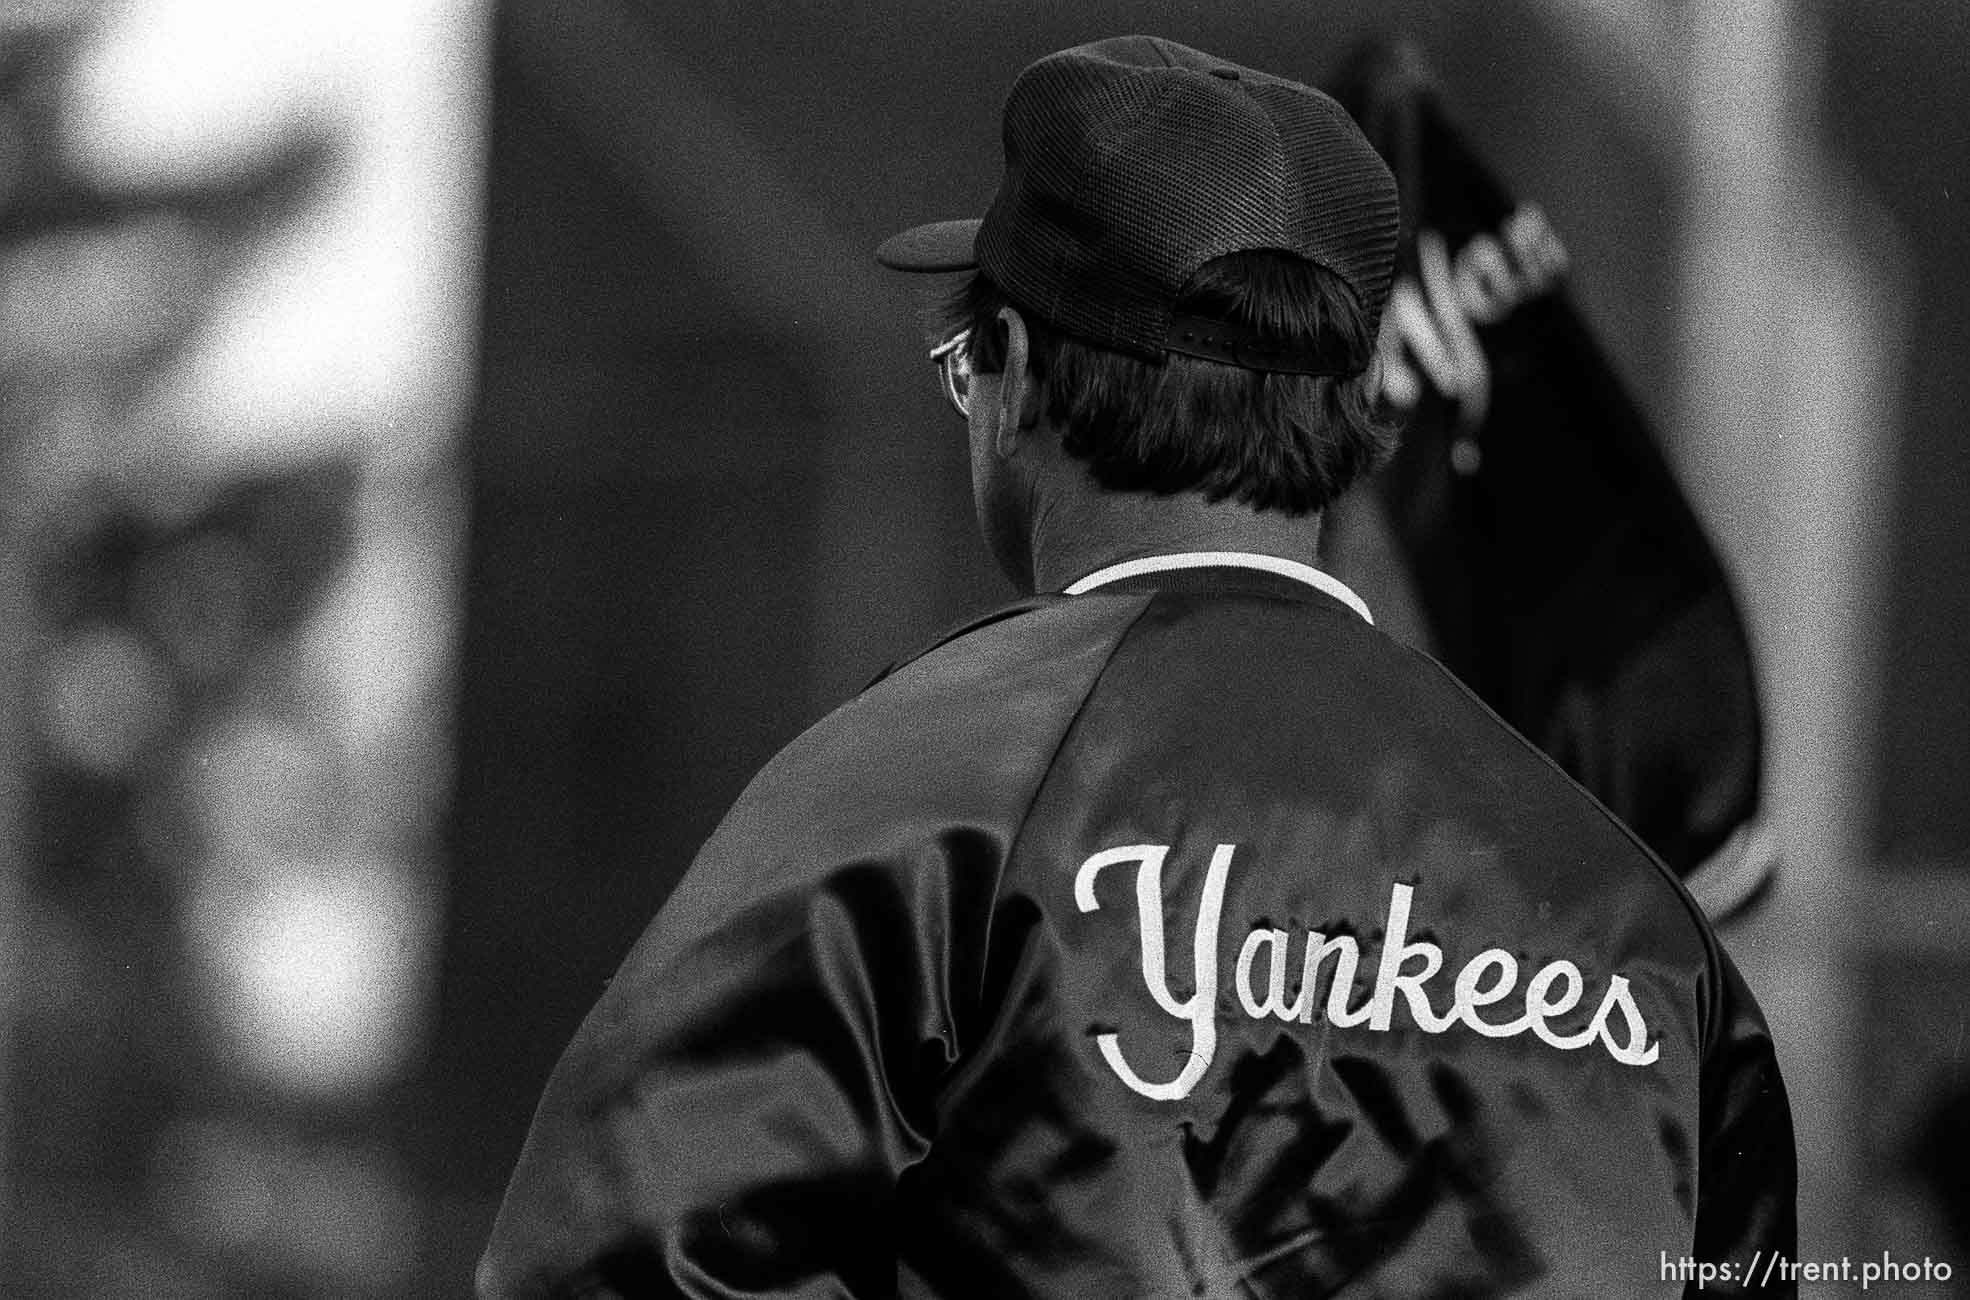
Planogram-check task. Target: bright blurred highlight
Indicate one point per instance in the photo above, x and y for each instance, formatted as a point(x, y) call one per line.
point(319, 969)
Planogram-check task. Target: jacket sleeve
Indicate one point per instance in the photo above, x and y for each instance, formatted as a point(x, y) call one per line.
point(1747, 1173)
point(734, 1114)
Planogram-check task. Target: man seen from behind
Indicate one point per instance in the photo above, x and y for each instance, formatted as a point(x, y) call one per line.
point(1171, 931)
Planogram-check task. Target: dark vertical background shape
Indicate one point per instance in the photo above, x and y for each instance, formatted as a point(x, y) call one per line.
point(643, 492)
point(1565, 575)
point(686, 383)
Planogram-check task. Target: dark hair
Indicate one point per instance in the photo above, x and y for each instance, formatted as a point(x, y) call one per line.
point(1291, 443)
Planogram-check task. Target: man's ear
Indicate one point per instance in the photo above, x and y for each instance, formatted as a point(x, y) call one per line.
point(1019, 395)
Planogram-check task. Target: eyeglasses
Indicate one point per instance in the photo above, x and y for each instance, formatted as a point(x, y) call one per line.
point(952, 358)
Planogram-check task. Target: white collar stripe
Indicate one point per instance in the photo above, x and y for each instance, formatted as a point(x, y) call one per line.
point(1306, 573)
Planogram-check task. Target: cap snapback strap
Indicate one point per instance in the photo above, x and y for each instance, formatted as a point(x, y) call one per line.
point(1215, 340)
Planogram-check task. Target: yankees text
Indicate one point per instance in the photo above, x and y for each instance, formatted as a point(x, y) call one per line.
point(1260, 977)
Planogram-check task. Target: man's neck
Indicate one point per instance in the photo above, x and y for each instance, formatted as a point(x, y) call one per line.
point(1076, 533)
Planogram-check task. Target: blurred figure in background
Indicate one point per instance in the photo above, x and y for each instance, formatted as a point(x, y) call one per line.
point(1530, 532)
point(235, 284)
point(888, 1034)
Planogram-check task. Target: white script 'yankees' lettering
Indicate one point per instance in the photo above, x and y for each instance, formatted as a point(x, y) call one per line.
point(1488, 978)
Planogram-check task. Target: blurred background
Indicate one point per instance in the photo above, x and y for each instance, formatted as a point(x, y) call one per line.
point(446, 445)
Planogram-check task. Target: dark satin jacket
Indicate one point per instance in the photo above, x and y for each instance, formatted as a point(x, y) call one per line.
point(1185, 938)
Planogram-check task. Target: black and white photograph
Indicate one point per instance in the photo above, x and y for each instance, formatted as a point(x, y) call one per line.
point(1133, 649)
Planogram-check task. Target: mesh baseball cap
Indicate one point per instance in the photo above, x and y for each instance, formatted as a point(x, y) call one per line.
point(1131, 162)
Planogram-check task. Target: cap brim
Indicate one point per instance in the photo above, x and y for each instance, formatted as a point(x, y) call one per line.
point(939, 246)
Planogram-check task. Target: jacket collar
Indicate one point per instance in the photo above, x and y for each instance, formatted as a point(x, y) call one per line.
point(1206, 568)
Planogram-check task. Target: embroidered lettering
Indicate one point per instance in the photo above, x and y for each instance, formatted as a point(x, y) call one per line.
point(1347, 957)
point(1469, 997)
point(1539, 1008)
point(1403, 973)
point(1637, 1050)
point(1200, 1009)
point(1396, 952)
point(1274, 1002)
